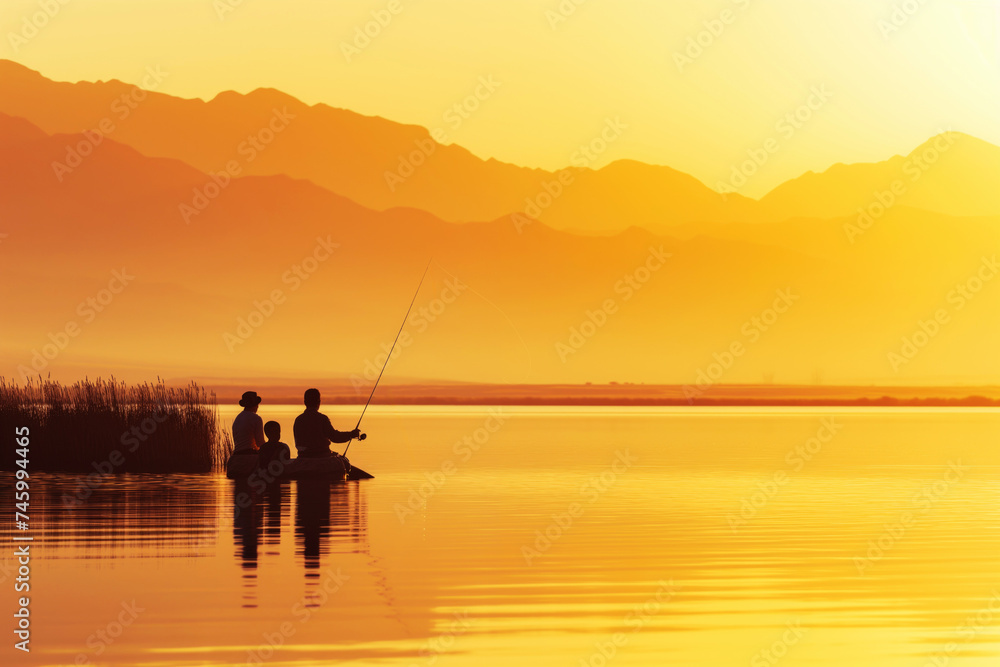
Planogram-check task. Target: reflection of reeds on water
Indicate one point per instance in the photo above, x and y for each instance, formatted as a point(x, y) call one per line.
point(109, 427)
point(128, 516)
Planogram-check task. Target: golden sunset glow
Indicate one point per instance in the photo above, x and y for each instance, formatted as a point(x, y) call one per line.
point(564, 72)
point(657, 332)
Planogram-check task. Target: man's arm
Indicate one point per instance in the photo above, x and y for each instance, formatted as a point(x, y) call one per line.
point(339, 437)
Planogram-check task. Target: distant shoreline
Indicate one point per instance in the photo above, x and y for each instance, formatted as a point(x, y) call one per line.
point(618, 395)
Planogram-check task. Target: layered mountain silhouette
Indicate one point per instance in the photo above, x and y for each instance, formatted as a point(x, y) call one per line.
point(278, 276)
point(952, 173)
point(381, 164)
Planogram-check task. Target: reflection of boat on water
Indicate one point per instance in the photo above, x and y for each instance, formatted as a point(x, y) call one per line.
point(256, 516)
point(330, 517)
point(331, 541)
point(246, 534)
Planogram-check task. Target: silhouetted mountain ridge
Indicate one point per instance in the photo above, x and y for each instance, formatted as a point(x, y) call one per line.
point(535, 305)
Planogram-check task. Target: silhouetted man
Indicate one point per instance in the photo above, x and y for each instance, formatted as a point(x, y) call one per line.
point(313, 431)
point(248, 427)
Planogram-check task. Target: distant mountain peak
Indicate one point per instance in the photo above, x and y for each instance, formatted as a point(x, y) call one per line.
point(267, 95)
point(951, 173)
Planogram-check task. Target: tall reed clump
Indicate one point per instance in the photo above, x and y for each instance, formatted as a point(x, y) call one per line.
point(110, 427)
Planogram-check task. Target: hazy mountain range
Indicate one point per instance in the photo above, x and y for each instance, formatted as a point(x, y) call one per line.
point(362, 158)
point(310, 227)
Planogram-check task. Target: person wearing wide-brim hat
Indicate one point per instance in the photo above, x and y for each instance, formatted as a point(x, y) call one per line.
point(248, 427)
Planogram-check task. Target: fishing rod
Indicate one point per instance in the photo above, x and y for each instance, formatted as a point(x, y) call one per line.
point(388, 357)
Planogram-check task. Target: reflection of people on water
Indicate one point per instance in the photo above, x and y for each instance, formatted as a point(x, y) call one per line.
point(312, 518)
point(275, 499)
point(330, 521)
point(327, 519)
point(248, 427)
point(246, 536)
point(314, 432)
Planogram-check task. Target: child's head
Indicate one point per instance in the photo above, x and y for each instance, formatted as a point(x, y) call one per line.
point(272, 430)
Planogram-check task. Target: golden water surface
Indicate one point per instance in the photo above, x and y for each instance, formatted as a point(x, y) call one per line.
point(549, 536)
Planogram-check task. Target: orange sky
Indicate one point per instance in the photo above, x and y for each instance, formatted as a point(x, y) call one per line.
point(801, 85)
point(892, 85)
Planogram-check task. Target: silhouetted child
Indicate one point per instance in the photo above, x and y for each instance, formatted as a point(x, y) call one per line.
point(273, 449)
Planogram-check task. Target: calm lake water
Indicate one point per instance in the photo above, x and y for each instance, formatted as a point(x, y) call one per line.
point(555, 536)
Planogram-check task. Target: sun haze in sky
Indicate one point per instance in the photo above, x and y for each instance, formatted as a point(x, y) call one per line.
point(699, 84)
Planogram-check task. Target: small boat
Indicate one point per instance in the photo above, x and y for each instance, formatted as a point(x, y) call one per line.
point(334, 468)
